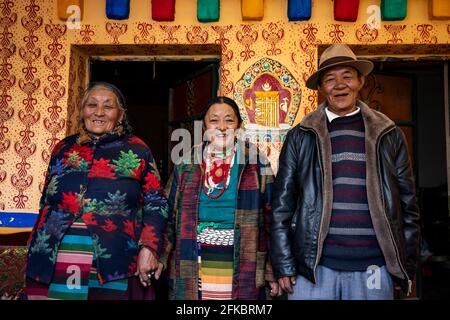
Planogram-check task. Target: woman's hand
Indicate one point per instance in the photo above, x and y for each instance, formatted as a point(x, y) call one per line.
point(159, 270)
point(275, 289)
point(146, 266)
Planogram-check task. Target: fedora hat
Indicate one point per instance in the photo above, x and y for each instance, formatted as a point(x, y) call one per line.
point(338, 55)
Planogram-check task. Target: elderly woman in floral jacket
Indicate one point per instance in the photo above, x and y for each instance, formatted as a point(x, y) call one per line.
point(102, 211)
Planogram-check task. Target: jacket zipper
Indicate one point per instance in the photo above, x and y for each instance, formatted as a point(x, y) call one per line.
point(384, 211)
point(321, 218)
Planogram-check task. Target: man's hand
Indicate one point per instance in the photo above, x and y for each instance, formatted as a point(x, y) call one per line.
point(146, 266)
point(275, 290)
point(286, 283)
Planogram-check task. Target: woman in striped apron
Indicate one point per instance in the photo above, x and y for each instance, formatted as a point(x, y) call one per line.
point(219, 199)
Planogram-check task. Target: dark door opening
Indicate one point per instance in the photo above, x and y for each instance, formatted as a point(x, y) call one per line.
point(160, 96)
point(411, 93)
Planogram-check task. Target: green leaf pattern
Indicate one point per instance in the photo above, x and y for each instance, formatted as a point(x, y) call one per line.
point(41, 243)
point(52, 186)
point(99, 251)
point(115, 205)
point(127, 162)
point(54, 254)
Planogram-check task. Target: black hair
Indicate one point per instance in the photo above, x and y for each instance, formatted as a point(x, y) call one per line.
point(227, 101)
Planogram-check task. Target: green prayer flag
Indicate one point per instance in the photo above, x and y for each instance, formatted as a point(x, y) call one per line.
point(208, 10)
point(392, 10)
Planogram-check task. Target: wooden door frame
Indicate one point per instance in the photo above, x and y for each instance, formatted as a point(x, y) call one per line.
point(447, 123)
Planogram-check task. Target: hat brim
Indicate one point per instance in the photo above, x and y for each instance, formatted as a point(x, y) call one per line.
point(363, 66)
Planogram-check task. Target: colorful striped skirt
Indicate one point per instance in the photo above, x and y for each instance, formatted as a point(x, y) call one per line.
point(215, 261)
point(75, 276)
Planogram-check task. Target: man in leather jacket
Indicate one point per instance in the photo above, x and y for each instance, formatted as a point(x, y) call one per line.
point(345, 221)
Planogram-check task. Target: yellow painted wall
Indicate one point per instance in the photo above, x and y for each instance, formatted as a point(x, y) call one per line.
point(35, 61)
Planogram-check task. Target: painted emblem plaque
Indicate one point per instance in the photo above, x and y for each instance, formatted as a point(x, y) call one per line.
point(268, 97)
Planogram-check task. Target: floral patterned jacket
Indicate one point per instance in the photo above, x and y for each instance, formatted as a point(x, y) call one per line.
point(113, 185)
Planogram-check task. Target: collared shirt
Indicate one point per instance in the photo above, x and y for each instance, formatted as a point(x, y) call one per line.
point(331, 115)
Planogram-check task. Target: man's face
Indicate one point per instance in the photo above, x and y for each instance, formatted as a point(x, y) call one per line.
point(340, 86)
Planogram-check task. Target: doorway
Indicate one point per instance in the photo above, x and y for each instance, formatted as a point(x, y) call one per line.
point(161, 95)
point(411, 93)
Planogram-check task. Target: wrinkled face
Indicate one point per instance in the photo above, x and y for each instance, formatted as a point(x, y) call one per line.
point(101, 111)
point(221, 123)
point(340, 86)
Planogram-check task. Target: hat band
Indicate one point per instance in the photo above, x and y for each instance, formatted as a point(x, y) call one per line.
point(335, 60)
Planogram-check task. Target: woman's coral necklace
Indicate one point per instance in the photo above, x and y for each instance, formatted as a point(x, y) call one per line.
point(216, 171)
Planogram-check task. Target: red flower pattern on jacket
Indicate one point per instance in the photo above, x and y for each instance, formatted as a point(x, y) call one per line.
point(109, 226)
point(102, 169)
point(89, 219)
point(84, 152)
point(132, 267)
point(151, 182)
point(43, 216)
point(136, 140)
point(128, 228)
point(149, 238)
point(70, 203)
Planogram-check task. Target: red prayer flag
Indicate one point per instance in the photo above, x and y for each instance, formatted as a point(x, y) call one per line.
point(163, 10)
point(346, 10)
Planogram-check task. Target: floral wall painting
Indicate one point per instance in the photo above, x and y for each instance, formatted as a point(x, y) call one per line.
point(268, 97)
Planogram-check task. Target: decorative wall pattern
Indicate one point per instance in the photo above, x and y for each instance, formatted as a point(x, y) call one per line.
point(25, 148)
point(366, 34)
point(54, 92)
point(227, 56)
point(425, 34)
point(394, 30)
point(115, 30)
point(247, 36)
point(273, 35)
point(143, 36)
point(43, 64)
point(196, 35)
point(308, 47)
point(8, 80)
point(169, 31)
